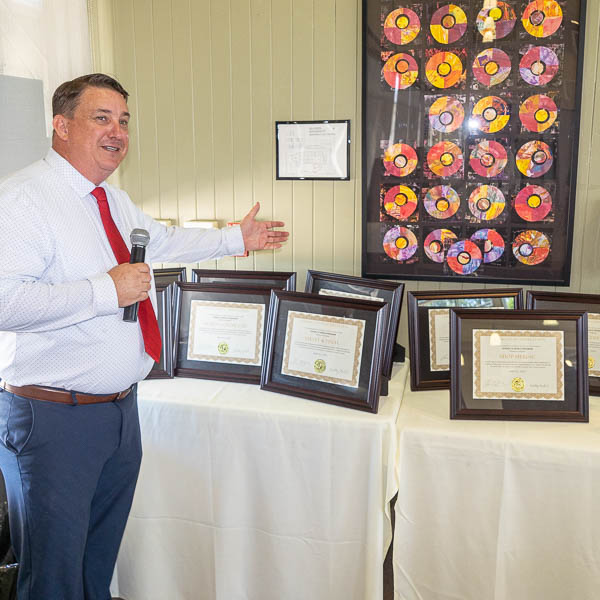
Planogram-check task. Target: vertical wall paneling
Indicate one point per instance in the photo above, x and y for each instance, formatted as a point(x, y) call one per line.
point(262, 119)
point(281, 102)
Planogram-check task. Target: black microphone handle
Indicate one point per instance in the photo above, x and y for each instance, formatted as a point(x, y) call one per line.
point(138, 254)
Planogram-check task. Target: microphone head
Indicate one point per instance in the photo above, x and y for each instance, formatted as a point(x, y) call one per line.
point(139, 237)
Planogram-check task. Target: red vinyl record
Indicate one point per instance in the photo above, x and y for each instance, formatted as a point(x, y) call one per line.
point(400, 160)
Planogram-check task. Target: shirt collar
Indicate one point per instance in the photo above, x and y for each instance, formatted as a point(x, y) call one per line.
point(71, 175)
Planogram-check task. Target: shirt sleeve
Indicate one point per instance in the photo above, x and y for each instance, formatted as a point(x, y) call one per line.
point(27, 303)
point(180, 245)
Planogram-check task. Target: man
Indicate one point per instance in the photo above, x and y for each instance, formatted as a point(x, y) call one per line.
point(71, 451)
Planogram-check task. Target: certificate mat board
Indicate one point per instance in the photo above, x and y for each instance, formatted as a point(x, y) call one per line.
point(429, 328)
point(470, 136)
point(221, 331)
point(519, 365)
point(323, 348)
point(335, 284)
point(313, 149)
point(570, 301)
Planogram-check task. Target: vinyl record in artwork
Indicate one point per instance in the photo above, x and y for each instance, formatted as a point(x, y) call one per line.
point(491, 67)
point(441, 202)
point(496, 20)
point(400, 160)
point(493, 244)
point(400, 202)
point(400, 243)
point(490, 114)
point(534, 158)
point(400, 71)
point(402, 26)
point(538, 113)
point(542, 18)
point(531, 247)
point(464, 257)
point(488, 158)
point(539, 65)
point(533, 203)
point(486, 202)
point(446, 114)
point(444, 69)
point(448, 24)
point(436, 244)
point(444, 159)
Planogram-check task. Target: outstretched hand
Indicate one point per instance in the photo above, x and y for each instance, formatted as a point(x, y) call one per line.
point(259, 235)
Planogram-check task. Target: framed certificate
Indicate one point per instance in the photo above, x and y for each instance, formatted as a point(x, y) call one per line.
point(586, 302)
point(221, 331)
point(429, 329)
point(519, 365)
point(169, 275)
point(165, 295)
point(272, 279)
point(313, 149)
point(377, 290)
point(325, 348)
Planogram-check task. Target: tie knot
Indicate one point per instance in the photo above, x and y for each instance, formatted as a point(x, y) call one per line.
point(99, 194)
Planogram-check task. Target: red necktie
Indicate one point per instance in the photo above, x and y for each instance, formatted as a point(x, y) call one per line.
point(146, 316)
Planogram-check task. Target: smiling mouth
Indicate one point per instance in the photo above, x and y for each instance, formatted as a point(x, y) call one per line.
point(111, 148)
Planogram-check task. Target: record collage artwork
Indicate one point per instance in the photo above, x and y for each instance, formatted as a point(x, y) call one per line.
point(470, 131)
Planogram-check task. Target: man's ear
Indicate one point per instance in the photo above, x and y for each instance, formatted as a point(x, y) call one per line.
point(61, 127)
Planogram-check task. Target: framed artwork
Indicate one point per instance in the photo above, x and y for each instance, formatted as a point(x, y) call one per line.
point(429, 329)
point(169, 275)
point(346, 286)
point(470, 138)
point(589, 303)
point(165, 297)
point(519, 365)
point(325, 348)
point(221, 331)
point(312, 149)
point(272, 279)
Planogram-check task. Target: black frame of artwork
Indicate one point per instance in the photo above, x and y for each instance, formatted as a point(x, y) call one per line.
point(574, 407)
point(401, 116)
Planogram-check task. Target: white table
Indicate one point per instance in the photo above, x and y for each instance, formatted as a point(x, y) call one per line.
point(495, 510)
point(249, 495)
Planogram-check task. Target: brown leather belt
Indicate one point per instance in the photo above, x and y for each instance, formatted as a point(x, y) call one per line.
point(38, 392)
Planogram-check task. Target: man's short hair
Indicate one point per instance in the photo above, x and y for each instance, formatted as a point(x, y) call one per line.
point(67, 95)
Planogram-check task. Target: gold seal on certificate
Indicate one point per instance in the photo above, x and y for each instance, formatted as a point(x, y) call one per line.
point(324, 348)
point(230, 332)
point(518, 364)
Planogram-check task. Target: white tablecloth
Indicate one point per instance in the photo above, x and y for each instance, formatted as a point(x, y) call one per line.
point(496, 510)
point(249, 495)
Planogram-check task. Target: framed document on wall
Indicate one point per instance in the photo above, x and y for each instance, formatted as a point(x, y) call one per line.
point(471, 116)
point(567, 301)
point(324, 348)
point(519, 365)
point(429, 329)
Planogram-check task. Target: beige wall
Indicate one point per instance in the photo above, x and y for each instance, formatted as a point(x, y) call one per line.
point(209, 78)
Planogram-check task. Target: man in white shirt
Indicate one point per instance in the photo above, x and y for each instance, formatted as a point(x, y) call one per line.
point(69, 364)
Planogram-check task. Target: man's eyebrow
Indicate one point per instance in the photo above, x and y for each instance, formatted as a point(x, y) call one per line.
point(108, 111)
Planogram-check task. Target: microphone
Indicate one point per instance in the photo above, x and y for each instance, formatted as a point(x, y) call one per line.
point(139, 240)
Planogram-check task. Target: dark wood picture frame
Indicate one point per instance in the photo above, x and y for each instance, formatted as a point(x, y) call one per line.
point(169, 275)
point(391, 292)
point(422, 376)
point(365, 396)
point(574, 407)
point(224, 371)
point(407, 125)
point(590, 303)
point(283, 280)
point(165, 295)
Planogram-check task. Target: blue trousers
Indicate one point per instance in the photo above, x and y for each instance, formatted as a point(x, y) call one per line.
point(70, 474)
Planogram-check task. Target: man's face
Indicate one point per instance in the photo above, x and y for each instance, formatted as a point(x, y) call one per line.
point(96, 139)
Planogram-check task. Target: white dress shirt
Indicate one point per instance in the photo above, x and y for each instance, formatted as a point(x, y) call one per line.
point(60, 323)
